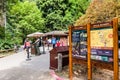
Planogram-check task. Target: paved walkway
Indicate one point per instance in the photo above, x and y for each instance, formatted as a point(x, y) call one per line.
point(15, 67)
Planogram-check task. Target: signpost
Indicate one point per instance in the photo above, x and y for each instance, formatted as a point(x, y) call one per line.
point(94, 45)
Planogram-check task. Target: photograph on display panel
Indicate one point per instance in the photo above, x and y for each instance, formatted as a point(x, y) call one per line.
point(79, 43)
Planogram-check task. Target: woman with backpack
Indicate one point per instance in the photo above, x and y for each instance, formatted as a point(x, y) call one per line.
point(27, 46)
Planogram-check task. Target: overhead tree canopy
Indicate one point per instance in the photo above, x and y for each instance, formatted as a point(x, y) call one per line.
point(25, 18)
point(59, 14)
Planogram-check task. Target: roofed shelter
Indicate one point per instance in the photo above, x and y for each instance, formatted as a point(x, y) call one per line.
point(56, 33)
point(34, 35)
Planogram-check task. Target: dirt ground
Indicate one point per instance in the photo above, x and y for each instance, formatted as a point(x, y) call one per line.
point(80, 73)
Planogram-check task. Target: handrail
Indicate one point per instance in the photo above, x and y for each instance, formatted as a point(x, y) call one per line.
point(6, 50)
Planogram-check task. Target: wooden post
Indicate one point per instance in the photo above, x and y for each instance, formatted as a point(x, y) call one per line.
point(115, 49)
point(43, 47)
point(89, 53)
point(70, 53)
point(59, 62)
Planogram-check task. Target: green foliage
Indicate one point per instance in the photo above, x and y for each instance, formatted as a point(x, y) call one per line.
point(2, 32)
point(61, 13)
point(100, 11)
point(6, 44)
point(28, 16)
point(25, 18)
point(9, 41)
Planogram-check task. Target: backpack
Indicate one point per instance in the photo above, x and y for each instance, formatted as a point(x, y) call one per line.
point(39, 44)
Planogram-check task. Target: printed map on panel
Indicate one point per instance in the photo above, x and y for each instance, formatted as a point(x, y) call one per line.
point(102, 38)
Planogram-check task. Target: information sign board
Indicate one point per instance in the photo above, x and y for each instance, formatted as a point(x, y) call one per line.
point(102, 44)
point(79, 39)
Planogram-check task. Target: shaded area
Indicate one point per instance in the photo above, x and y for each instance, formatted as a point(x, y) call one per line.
point(2, 32)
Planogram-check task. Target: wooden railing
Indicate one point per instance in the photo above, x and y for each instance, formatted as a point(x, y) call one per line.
point(7, 50)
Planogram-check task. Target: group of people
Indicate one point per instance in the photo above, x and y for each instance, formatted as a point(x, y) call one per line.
point(27, 46)
point(55, 42)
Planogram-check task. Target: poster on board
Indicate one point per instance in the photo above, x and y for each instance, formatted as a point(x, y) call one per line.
point(79, 43)
point(102, 44)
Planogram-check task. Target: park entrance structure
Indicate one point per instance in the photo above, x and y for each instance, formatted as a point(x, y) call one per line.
point(34, 35)
point(94, 45)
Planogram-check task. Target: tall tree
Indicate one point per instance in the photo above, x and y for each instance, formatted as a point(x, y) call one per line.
point(25, 18)
point(61, 13)
point(2, 18)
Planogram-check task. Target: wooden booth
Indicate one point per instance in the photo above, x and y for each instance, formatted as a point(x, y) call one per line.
point(54, 57)
point(94, 45)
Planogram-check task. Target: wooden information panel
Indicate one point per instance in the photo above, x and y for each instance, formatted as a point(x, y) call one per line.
point(94, 45)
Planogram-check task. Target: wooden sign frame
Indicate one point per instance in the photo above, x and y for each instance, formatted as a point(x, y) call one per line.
point(89, 62)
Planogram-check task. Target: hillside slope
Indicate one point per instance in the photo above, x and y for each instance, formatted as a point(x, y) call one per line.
point(100, 11)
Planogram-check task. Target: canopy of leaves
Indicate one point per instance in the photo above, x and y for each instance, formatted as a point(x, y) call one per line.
point(59, 14)
point(28, 16)
point(2, 10)
point(100, 11)
point(25, 18)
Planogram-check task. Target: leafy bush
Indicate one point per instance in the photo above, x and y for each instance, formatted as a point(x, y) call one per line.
point(6, 44)
point(2, 32)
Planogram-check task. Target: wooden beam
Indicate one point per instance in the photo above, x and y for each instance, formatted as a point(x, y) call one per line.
point(102, 25)
point(63, 56)
point(89, 53)
point(115, 49)
point(70, 54)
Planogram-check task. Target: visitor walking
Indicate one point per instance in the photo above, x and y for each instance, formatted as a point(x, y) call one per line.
point(27, 47)
point(37, 42)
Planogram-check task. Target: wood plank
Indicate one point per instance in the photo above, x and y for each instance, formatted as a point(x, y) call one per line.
point(79, 28)
point(63, 56)
point(102, 25)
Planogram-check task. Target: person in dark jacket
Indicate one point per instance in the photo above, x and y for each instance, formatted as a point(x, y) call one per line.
point(37, 46)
